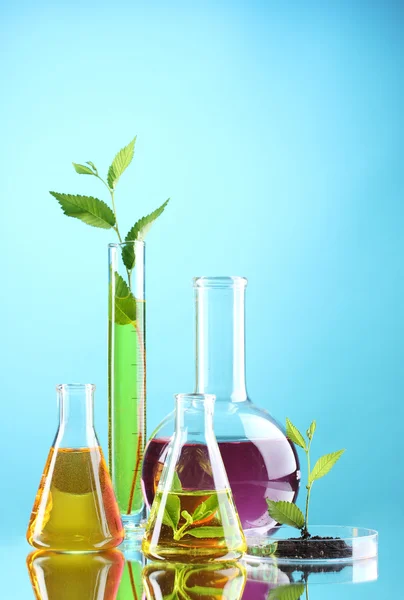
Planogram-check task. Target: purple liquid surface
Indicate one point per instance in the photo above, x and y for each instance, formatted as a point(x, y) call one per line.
point(256, 470)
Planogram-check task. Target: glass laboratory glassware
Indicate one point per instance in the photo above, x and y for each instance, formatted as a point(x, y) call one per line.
point(194, 582)
point(127, 378)
point(260, 461)
point(193, 517)
point(75, 509)
point(58, 576)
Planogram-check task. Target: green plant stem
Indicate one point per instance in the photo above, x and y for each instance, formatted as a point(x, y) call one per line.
point(116, 227)
point(308, 487)
point(178, 534)
point(307, 590)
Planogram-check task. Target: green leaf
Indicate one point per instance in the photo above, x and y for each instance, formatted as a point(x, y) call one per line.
point(138, 232)
point(206, 509)
point(176, 486)
point(287, 592)
point(311, 430)
point(213, 592)
point(141, 227)
point(82, 169)
point(171, 514)
point(206, 532)
point(92, 165)
point(125, 302)
point(121, 161)
point(286, 513)
point(294, 434)
point(187, 517)
point(92, 211)
point(324, 465)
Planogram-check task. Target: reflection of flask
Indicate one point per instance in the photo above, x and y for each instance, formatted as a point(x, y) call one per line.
point(260, 462)
point(194, 582)
point(75, 507)
point(131, 586)
point(193, 517)
point(58, 576)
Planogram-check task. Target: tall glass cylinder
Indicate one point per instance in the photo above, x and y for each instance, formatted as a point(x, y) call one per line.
point(127, 378)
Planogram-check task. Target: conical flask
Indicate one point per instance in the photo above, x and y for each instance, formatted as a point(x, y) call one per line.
point(213, 581)
point(75, 509)
point(57, 576)
point(193, 517)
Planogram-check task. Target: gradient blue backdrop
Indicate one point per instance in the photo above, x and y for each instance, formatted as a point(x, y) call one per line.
point(276, 128)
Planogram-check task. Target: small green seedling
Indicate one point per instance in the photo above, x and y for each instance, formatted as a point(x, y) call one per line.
point(287, 513)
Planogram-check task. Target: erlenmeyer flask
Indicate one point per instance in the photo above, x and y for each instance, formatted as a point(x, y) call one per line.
point(193, 517)
point(57, 576)
point(260, 461)
point(214, 581)
point(75, 508)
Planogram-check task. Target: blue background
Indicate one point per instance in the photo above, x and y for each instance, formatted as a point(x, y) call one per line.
point(276, 128)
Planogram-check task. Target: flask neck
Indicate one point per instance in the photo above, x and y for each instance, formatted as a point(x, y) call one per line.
point(194, 417)
point(220, 337)
point(76, 416)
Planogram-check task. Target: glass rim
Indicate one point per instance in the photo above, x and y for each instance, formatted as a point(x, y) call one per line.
point(128, 243)
point(361, 533)
point(65, 387)
point(221, 281)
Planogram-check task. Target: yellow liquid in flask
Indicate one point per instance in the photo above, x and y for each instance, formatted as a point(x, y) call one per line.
point(75, 508)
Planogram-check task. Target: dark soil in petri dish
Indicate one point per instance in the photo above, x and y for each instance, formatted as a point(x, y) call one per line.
point(324, 548)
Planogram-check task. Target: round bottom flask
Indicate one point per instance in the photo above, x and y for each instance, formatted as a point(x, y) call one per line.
point(260, 461)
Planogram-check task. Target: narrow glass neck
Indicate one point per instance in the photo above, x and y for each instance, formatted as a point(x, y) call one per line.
point(194, 416)
point(220, 337)
point(76, 415)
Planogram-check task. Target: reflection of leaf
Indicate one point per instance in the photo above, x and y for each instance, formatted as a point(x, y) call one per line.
point(324, 465)
point(294, 434)
point(206, 532)
point(206, 509)
point(286, 513)
point(171, 514)
point(287, 592)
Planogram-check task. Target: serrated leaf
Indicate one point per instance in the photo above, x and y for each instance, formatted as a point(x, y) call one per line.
point(82, 169)
point(124, 302)
point(171, 515)
point(206, 532)
point(121, 161)
point(324, 465)
point(138, 232)
point(206, 509)
point(92, 211)
point(287, 592)
point(311, 430)
point(294, 435)
point(286, 513)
